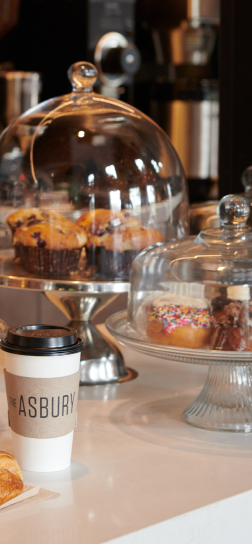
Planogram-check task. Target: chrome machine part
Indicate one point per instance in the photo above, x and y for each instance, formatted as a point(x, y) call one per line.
point(116, 59)
point(191, 43)
point(204, 11)
point(200, 119)
point(188, 102)
point(19, 91)
point(194, 109)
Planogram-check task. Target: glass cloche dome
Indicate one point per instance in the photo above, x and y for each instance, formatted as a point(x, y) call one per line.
point(197, 292)
point(86, 183)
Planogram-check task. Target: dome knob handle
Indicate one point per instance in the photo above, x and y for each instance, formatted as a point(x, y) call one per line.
point(233, 211)
point(82, 76)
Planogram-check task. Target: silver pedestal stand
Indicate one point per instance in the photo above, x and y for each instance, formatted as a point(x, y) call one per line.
point(80, 301)
point(101, 361)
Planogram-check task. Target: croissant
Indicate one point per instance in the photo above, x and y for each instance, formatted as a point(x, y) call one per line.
point(11, 480)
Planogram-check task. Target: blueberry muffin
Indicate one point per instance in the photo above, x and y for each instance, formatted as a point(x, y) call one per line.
point(28, 217)
point(99, 225)
point(121, 248)
point(50, 248)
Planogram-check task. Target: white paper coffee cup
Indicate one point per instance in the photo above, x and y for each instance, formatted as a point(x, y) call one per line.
point(42, 383)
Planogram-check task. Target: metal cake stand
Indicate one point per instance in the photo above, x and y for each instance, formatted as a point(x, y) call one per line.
point(225, 402)
point(80, 300)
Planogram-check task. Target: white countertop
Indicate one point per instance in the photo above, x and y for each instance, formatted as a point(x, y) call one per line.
point(139, 474)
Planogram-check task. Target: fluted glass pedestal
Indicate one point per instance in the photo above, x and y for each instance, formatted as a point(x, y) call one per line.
point(225, 402)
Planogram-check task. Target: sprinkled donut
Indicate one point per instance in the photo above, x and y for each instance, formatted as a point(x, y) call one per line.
point(180, 325)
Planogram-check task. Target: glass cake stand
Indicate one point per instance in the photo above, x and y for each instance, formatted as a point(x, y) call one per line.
point(79, 300)
point(225, 402)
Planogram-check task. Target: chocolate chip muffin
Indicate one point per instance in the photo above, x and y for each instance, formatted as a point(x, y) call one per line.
point(51, 248)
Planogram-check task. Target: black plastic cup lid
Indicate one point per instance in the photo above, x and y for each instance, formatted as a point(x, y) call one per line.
point(42, 340)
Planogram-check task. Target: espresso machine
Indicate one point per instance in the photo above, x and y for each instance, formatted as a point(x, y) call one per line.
point(186, 102)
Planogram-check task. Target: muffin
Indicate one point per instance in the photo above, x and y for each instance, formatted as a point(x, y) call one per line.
point(50, 248)
point(30, 216)
point(114, 239)
point(121, 247)
point(101, 219)
point(99, 223)
point(180, 321)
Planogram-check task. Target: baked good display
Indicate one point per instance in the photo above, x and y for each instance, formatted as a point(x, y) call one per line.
point(114, 239)
point(177, 320)
point(11, 480)
point(94, 154)
point(215, 267)
point(51, 248)
point(232, 314)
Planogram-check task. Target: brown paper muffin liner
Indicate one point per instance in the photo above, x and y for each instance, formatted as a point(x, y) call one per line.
point(17, 251)
point(116, 264)
point(15, 246)
point(49, 262)
point(93, 255)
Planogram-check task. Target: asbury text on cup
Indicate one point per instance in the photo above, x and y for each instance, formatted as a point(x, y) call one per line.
point(42, 407)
